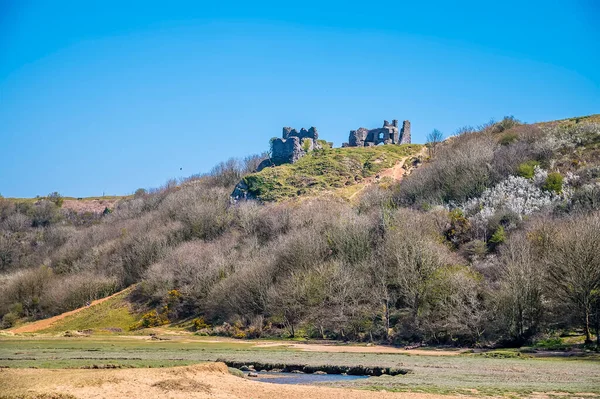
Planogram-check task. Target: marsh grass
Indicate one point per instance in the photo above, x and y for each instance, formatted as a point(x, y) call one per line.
point(470, 374)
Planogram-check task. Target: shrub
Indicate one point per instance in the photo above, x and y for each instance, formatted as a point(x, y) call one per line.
point(515, 194)
point(460, 171)
point(459, 227)
point(508, 122)
point(9, 320)
point(306, 145)
point(475, 249)
point(199, 324)
point(44, 213)
point(151, 319)
point(586, 199)
point(554, 183)
point(508, 138)
point(55, 198)
point(499, 236)
point(527, 169)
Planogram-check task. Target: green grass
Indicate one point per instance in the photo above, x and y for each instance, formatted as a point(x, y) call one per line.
point(114, 313)
point(324, 170)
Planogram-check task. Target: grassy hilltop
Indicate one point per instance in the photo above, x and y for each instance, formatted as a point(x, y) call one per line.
point(325, 170)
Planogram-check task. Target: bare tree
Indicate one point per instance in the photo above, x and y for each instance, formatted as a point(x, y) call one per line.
point(433, 139)
point(521, 286)
point(574, 266)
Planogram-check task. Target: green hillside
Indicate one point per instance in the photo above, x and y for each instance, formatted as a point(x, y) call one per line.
point(324, 170)
point(113, 315)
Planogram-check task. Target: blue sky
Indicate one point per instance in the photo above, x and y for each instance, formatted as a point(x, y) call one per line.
point(106, 97)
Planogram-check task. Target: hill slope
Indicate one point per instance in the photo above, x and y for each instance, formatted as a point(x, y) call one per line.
point(443, 256)
point(113, 312)
point(325, 170)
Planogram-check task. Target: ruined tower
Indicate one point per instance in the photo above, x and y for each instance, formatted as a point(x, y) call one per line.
point(405, 133)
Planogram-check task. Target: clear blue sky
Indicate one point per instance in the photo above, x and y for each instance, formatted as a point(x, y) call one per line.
point(108, 96)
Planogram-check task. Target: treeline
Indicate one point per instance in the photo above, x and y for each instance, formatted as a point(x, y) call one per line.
point(493, 240)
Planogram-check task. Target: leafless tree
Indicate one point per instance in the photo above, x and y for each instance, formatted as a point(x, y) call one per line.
point(433, 140)
point(574, 266)
point(520, 294)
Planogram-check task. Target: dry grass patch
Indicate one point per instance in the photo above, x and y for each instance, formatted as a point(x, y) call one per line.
point(182, 384)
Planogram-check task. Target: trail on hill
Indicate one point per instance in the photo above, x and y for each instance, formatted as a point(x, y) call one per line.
point(47, 323)
point(396, 173)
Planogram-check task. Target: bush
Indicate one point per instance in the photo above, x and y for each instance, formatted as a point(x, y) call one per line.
point(499, 236)
point(199, 324)
point(45, 213)
point(151, 319)
point(9, 320)
point(554, 183)
point(55, 198)
point(508, 138)
point(527, 169)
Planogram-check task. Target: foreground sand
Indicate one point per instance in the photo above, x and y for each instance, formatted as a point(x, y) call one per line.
point(208, 380)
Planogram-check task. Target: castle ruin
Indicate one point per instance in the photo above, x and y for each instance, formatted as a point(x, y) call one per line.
point(292, 146)
point(388, 134)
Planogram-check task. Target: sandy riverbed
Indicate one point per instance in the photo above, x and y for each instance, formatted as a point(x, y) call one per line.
point(209, 380)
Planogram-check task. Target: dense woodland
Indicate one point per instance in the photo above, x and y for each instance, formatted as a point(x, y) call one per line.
point(493, 240)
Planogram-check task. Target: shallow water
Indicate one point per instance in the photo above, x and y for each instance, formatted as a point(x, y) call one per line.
point(300, 378)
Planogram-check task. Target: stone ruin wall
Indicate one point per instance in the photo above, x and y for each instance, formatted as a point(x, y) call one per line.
point(292, 144)
point(290, 148)
point(388, 134)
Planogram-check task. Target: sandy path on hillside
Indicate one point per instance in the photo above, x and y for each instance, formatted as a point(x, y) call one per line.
point(46, 323)
point(208, 380)
point(396, 173)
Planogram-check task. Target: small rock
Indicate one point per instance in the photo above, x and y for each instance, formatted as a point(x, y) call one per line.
point(252, 374)
point(320, 372)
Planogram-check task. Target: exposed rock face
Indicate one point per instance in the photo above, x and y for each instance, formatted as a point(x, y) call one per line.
point(240, 192)
point(388, 134)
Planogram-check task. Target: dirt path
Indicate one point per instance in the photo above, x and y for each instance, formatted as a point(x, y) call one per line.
point(396, 173)
point(209, 380)
point(46, 323)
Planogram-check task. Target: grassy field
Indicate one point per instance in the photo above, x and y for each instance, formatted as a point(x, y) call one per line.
point(468, 373)
point(326, 169)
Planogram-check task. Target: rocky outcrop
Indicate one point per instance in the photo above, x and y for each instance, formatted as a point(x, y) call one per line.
point(241, 192)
